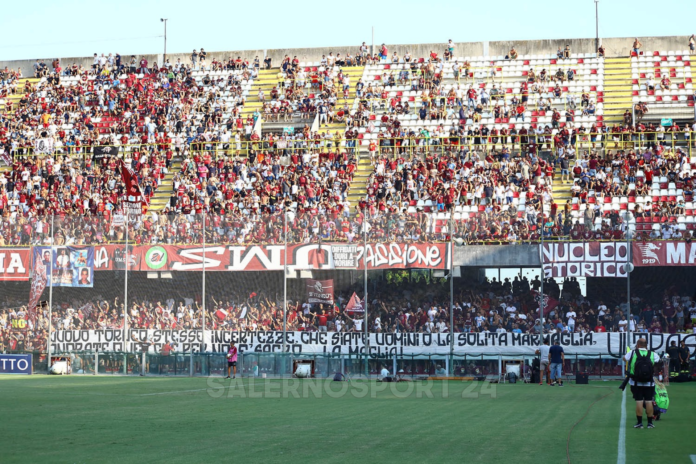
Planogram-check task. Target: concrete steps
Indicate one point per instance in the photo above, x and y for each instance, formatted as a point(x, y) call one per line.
point(618, 89)
point(161, 197)
point(358, 188)
point(561, 191)
point(20, 92)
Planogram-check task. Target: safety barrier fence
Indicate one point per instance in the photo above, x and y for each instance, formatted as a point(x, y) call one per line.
point(279, 365)
point(424, 140)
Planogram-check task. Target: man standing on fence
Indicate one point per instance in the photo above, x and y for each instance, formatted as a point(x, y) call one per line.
point(557, 356)
point(232, 360)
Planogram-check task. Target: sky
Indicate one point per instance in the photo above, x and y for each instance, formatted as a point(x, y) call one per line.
point(68, 28)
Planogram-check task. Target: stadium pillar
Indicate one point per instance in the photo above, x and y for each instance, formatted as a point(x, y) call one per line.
point(50, 304)
point(125, 303)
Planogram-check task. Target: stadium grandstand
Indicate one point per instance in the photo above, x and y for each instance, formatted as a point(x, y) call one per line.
point(197, 246)
point(125, 164)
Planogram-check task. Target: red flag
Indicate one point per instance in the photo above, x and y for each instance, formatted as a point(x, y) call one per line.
point(355, 305)
point(549, 302)
point(38, 284)
point(132, 187)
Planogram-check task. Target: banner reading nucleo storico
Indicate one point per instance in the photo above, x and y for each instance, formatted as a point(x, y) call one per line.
point(584, 259)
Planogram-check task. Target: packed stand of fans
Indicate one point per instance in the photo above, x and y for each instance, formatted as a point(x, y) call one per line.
point(407, 306)
point(494, 183)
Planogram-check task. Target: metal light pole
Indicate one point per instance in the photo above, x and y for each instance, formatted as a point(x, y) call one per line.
point(596, 5)
point(451, 331)
point(125, 302)
point(541, 258)
point(285, 281)
point(367, 342)
point(164, 20)
point(203, 291)
point(373, 40)
point(629, 268)
point(50, 300)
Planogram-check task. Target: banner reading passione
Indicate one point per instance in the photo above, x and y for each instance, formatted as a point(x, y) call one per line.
point(271, 257)
point(352, 343)
point(584, 259)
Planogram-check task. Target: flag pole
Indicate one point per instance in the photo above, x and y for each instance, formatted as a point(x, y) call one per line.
point(50, 302)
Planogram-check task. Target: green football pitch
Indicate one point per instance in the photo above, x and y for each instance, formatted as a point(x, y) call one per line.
point(125, 419)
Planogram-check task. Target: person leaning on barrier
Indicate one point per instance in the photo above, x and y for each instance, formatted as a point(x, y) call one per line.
point(384, 375)
point(640, 369)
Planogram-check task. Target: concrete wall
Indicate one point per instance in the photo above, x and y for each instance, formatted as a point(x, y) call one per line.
point(614, 47)
point(497, 256)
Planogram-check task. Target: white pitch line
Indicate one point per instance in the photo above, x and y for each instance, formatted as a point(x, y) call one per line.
point(177, 391)
point(622, 432)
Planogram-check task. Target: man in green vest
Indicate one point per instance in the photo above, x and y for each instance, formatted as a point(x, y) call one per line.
point(640, 368)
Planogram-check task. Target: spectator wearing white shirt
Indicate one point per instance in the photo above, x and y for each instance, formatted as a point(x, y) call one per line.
point(623, 324)
point(384, 375)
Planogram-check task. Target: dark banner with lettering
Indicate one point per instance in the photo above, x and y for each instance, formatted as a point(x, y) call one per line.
point(104, 151)
point(320, 291)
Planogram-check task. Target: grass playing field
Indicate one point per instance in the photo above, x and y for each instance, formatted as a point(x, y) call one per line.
point(126, 419)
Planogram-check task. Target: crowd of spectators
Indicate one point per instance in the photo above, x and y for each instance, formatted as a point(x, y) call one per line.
point(406, 306)
point(187, 112)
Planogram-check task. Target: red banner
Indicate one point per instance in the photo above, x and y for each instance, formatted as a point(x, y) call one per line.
point(355, 305)
point(664, 253)
point(300, 257)
point(113, 257)
point(15, 263)
point(320, 291)
point(584, 259)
